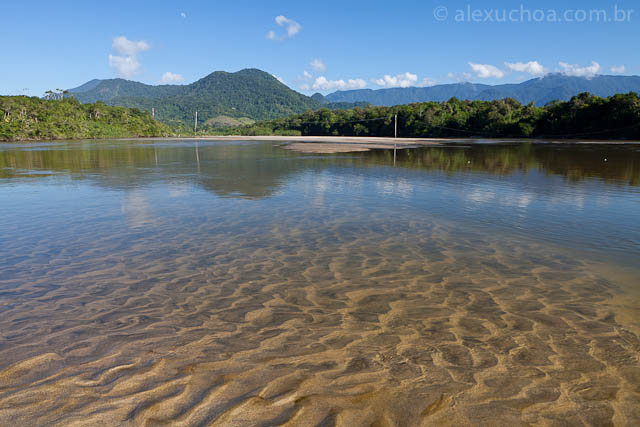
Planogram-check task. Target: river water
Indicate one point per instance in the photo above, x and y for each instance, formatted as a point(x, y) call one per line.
point(238, 283)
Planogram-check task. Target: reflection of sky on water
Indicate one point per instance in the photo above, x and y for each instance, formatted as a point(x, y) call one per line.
point(564, 197)
point(136, 209)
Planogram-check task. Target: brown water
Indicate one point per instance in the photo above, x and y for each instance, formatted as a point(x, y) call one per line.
point(169, 282)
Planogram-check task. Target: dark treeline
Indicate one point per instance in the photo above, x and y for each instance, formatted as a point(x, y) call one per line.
point(584, 116)
point(30, 118)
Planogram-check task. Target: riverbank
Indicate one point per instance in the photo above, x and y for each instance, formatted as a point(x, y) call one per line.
point(31, 119)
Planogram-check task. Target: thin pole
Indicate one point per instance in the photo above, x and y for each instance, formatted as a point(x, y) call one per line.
point(195, 126)
point(197, 156)
point(394, 142)
point(396, 128)
point(153, 113)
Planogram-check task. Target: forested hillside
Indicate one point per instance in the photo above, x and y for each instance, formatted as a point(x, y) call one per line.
point(248, 93)
point(25, 118)
point(584, 116)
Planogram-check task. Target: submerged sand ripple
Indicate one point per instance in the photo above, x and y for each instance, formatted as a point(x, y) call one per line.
point(343, 326)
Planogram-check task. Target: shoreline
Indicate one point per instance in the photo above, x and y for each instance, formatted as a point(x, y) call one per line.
point(347, 144)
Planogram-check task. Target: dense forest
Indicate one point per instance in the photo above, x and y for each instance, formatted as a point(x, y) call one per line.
point(30, 118)
point(584, 116)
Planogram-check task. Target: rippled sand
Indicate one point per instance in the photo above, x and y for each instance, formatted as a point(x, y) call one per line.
point(313, 327)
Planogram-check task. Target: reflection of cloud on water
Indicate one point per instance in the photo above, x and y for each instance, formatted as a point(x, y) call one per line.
point(177, 189)
point(516, 199)
point(571, 200)
point(481, 196)
point(504, 197)
point(400, 187)
point(320, 187)
point(317, 186)
point(135, 207)
point(524, 200)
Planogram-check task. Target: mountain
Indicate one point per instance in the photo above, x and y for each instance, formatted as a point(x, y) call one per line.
point(540, 90)
point(320, 98)
point(248, 93)
point(88, 85)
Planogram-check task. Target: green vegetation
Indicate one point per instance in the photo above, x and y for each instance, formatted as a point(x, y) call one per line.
point(247, 94)
point(24, 118)
point(584, 116)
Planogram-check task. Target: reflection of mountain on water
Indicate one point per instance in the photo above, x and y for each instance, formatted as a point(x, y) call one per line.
point(239, 170)
point(246, 171)
point(257, 170)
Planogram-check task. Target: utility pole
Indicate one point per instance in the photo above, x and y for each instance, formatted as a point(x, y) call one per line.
point(396, 128)
point(195, 126)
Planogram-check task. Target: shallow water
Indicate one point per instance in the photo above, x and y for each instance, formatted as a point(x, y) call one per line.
point(152, 282)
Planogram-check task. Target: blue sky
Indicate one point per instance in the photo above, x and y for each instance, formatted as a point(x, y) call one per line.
point(339, 44)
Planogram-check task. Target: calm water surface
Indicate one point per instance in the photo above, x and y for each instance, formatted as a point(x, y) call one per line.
point(218, 283)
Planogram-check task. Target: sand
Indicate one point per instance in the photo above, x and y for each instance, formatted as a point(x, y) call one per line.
point(349, 144)
point(337, 144)
point(320, 326)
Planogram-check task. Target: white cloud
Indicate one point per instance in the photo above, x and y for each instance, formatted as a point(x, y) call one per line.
point(307, 75)
point(532, 67)
point(291, 26)
point(618, 69)
point(280, 79)
point(305, 86)
point(486, 71)
point(318, 66)
point(321, 83)
point(170, 77)
point(577, 71)
point(428, 81)
point(125, 62)
point(401, 80)
point(184, 15)
point(126, 47)
point(125, 66)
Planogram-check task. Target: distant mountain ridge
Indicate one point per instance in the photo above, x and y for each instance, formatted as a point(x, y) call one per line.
point(249, 93)
point(220, 98)
point(539, 90)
